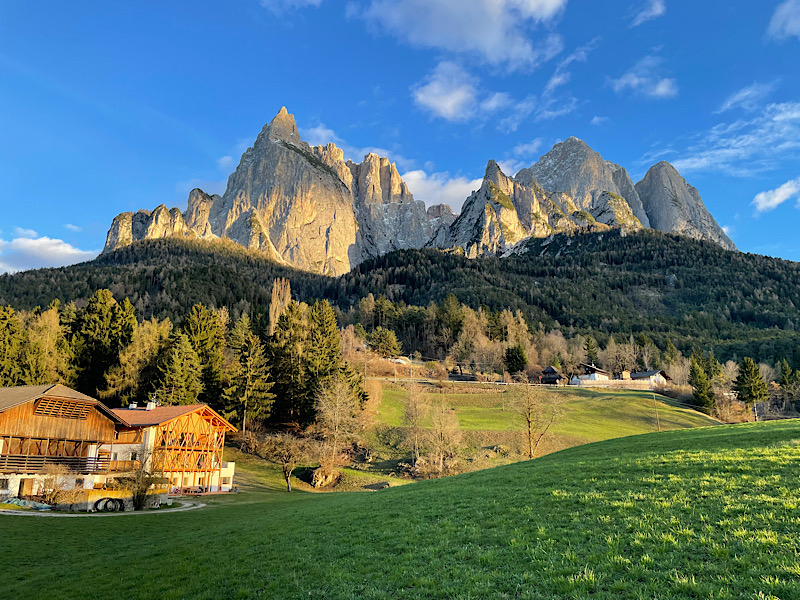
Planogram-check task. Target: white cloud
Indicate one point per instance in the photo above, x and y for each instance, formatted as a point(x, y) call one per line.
point(528, 149)
point(22, 253)
point(279, 7)
point(449, 92)
point(561, 76)
point(72, 227)
point(652, 10)
point(226, 163)
point(599, 121)
point(747, 98)
point(511, 166)
point(25, 233)
point(495, 30)
point(772, 199)
point(496, 101)
point(645, 78)
point(785, 21)
point(727, 230)
point(746, 146)
point(440, 188)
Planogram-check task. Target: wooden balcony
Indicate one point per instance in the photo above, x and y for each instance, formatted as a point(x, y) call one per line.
point(84, 465)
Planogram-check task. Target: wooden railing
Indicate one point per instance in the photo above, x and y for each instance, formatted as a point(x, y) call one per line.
point(20, 463)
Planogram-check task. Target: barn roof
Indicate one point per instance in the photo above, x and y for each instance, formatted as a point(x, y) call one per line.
point(144, 417)
point(648, 374)
point(14, 396)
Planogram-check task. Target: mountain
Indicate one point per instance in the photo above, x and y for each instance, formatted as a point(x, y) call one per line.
point(574, 168)
point(674, 206)
point(572, 188)
point(300, 205)
point(309, 208)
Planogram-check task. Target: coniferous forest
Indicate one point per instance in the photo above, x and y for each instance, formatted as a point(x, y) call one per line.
point(609, 285)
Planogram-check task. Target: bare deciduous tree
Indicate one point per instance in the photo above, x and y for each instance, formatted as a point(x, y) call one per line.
point(287, 450)
point(540, 410)
point(414, 413)
point(443, 438)
point(337, 421)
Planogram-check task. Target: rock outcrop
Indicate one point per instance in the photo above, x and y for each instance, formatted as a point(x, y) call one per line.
point(674, 206)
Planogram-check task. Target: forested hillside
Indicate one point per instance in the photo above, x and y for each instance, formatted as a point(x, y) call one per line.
point(671, 287)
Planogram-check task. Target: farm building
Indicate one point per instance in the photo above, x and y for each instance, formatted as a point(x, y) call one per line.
point(185, 441)
point(43, 426)
point(656, 378)
point(592, 375)
point(552, 376)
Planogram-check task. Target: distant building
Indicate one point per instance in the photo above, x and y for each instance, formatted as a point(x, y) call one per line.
point(592, 375)
point(185, 441)
point(657, 378)
point(552, 376)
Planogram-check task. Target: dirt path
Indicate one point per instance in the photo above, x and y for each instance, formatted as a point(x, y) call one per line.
point(35, 513)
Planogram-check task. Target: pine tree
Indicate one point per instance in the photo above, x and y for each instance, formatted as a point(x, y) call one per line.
point(180, 375)
point(750, 385)
point(384, 342)
point(46, 356)
point(592, 352)
point(289, 361)
point(324, 341)
point(249, 395)
point(516, 360)
point(207, 336)
point(787, 374)
point(104, 328)
point(671, 354)
point(702, 392)
point(11, 338)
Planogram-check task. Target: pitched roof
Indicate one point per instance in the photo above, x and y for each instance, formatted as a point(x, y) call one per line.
point(647, 374)
point(14, 396)
point(141, 417)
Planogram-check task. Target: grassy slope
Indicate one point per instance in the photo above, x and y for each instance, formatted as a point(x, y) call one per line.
point(709, 512)
point(590, 415)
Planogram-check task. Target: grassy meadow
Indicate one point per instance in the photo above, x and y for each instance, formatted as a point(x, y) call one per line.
point(695, 513)
point(485, 414)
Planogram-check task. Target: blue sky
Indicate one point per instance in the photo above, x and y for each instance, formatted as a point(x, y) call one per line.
point(110, 106)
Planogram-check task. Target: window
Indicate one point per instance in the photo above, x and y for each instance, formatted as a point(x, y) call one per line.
point(226, 481)
point(3, 484)
point(134, 456)
point(185, 481)
point(79, 483)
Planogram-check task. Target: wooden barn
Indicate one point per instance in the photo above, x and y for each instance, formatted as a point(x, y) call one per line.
point(185, 442)
point(552, 376)
point(43, 425)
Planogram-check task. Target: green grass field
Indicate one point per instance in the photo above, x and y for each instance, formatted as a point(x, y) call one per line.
point(695, 513)
point(589, 415)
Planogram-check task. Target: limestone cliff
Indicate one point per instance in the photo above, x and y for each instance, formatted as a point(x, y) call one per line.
point(304, 206)
point(674, 206)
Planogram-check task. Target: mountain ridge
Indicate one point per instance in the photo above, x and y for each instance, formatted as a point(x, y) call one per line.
point(307, 207)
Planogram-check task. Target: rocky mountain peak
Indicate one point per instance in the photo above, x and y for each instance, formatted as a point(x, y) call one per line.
point(674, 206)
point(282, 127)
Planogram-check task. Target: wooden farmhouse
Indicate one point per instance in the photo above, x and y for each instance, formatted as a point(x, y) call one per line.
point(552, 376)
point(43, 425)
point(95, 448)
point(185, 442)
